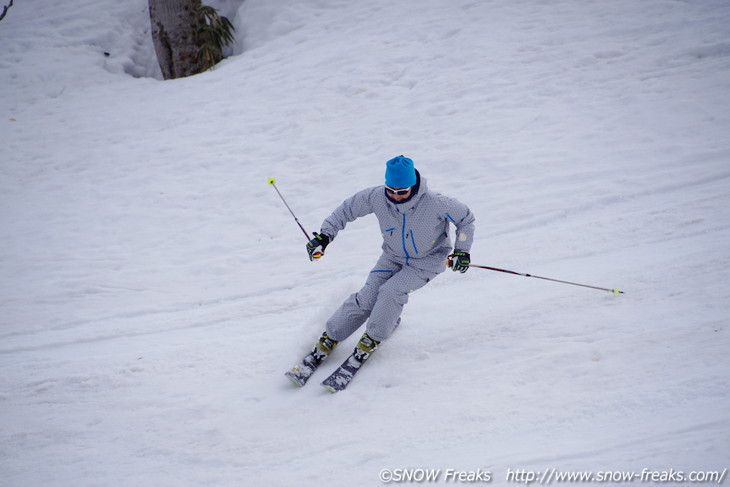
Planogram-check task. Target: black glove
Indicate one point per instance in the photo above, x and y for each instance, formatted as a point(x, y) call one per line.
point(460, 261)
point(316, 246)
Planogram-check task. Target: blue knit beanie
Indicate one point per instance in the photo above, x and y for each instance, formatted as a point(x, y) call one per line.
point(400, 173)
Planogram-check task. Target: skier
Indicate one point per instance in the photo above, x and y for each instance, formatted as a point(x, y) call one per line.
point(414, 223)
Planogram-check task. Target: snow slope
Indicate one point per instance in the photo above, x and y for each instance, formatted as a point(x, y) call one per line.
point(154, 289)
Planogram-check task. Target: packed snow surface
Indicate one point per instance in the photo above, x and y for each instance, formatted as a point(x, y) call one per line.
point(154, 288)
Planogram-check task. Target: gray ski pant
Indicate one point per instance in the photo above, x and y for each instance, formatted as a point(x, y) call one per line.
point(381, 300)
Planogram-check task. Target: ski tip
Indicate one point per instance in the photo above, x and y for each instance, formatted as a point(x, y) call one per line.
point(294, 379)
point(271, 181)
point(329, 388)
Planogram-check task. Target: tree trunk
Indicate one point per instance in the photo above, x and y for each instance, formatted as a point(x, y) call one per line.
point(175, 24)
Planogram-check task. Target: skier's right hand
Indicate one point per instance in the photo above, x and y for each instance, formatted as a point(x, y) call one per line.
point(316, 246)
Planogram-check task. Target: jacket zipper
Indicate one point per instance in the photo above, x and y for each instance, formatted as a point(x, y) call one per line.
point(403, 239)
point(413, 241)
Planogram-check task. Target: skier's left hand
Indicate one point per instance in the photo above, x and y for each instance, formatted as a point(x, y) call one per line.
point(460, 261)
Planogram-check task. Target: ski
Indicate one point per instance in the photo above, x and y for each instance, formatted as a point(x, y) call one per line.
point(338, 380)
point(344, 374)
point(300, 373)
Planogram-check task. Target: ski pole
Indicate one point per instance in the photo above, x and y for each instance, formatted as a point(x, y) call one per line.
point(272, 182)
point(614, 290)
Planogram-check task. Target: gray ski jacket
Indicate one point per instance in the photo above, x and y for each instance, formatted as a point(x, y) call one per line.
point(416, 231)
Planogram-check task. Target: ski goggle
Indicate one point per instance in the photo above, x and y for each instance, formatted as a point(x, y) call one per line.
point(399, 192)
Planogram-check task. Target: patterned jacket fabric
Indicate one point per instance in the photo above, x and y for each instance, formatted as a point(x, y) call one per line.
point(415, 231)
